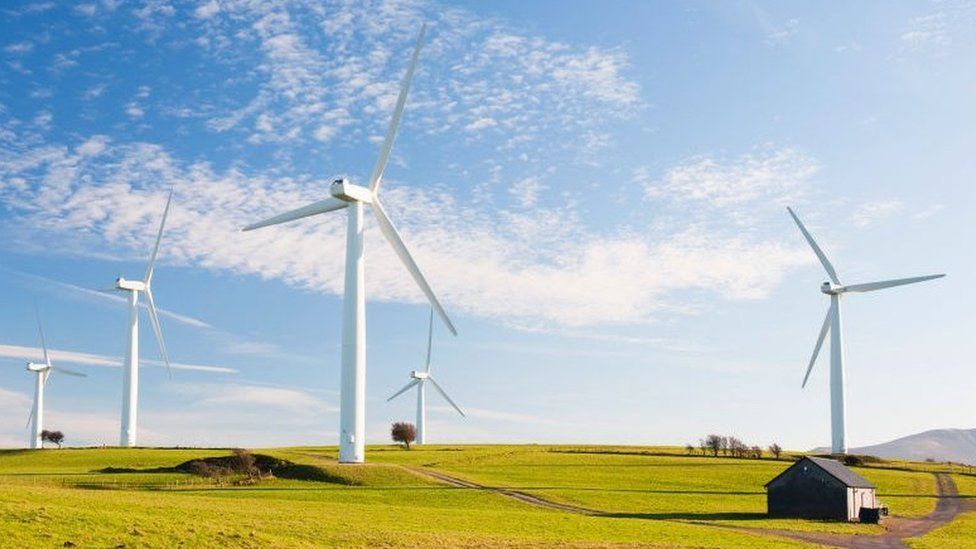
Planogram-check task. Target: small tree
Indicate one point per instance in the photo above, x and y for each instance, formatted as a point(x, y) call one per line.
point(690, 449)
point(775, 449)
point(725, 443)
point(55, 437)
point(757, 452)
point(403, 433)
point(736, 447)
point(714, 443)
point(702, 446)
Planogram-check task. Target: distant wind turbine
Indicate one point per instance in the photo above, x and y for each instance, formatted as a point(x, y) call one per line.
point(35, 420)
point(419, 380)
point(352, 394)
point(832, 324)
point(130, 375)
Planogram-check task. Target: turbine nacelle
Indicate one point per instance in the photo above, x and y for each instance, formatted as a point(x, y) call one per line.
point(130, 285)
point(419, 375)
point(830, 288)
point(35, 367)
point(348, 192)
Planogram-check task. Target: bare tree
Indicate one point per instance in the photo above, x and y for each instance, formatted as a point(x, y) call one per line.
point(244, 463)
point(702, 446)
point(726, 445)
point(756, 452)
point(690, 449)
point(403, 433)
point(775, 449)
point(714, 443)
point(735, 446)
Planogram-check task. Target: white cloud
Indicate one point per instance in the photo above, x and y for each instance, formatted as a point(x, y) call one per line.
point(44, 119)
point(94, 146)
point(262, 396)
point(475, 75)
point(950, 20)
point(89, 359)
point(535, 266)
point(207, 10)
point(86, 9)
point(870, 213)
point(779, 176)
point(527, 191)
point(94, 92)
point(928, 212)
point(925, 30)
point(134, 110)
point(19, 48)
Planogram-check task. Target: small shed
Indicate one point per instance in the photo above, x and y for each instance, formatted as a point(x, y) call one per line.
point(819, 488)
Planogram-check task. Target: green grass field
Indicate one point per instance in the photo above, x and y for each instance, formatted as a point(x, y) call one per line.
point(650, 496)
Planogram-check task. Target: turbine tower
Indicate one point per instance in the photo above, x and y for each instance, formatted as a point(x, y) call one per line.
point(35, 420)
point(420, 379)
point(832, 324)
point(130, 375)
point(352, 387)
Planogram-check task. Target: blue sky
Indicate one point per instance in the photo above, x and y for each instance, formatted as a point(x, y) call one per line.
point(596, 192)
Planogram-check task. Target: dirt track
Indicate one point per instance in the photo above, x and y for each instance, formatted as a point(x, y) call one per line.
point(897, 529)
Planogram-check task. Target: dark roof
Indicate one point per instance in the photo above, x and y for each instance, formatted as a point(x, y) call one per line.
point(835, 469)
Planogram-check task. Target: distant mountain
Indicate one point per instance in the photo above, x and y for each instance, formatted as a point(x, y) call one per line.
point(957, 445)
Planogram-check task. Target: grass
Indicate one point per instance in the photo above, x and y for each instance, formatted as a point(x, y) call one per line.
point(652, 496)
point(658, 483)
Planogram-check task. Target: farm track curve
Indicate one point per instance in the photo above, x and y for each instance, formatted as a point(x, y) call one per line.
point(897, 529)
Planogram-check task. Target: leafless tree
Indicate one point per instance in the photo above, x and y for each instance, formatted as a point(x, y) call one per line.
point(714, 443)
point(775, 449)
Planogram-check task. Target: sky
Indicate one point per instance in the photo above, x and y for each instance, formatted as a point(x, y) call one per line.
point(596, 191)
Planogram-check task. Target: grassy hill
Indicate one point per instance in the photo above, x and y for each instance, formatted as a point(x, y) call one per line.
point(647, 496)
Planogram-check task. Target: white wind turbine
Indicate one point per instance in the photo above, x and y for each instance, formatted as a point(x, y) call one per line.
point(35, 420)
point(130, 375)
point(420, 379)
point(832, 324)
point(352, 395)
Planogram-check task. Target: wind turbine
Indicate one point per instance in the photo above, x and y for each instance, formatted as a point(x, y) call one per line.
point(832, 324)
point(35, 420)
point(130, 376)
point(419, 380)
point(352, 394)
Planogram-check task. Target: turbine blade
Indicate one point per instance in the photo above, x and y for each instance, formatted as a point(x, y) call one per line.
point(40, 330)
point(377, 175)
point(30, 416)
point(404, 390)
point(68, 372)
point(816, 249)
point(154, 320)
point(322, 206)
point(393, 237)
point(159, 236)
point(430, 338)
point(447, 398)
point(816, 349)
point(872, 286)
